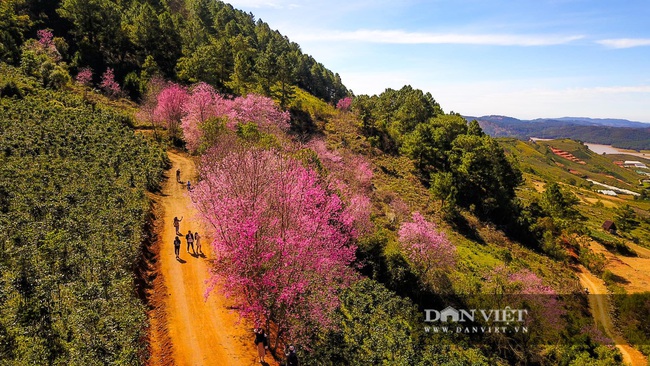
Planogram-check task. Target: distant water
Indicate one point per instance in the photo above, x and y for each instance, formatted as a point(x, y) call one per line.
point(608, 149)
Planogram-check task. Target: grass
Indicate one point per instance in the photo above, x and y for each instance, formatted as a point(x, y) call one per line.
point(540, 166)
point(480, 246)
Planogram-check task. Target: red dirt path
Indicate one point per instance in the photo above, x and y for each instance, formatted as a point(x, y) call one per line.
point(187, 329)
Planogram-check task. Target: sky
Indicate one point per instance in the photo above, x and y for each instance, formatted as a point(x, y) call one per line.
point(519, 58)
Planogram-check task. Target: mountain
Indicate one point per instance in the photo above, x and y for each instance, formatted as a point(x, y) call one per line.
point(612, 122)
point(620, 133)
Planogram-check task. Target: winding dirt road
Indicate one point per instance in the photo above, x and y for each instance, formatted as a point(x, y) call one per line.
point(186, 328)
point(600, 309)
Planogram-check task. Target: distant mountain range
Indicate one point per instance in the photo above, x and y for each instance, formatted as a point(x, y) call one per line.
point(619, 133)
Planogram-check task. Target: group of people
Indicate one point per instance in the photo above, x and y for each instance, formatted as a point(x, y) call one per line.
point(261, 339)
point(190, 237)
point(178, 179)
point(262, 344)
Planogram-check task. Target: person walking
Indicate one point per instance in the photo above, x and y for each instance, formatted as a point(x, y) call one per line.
point(190, 241)
point(177, 224)
point(261, 341)
point(197, 240)
point(189, 186)
point(178, 175)
point(177, 246)
point(292, 358)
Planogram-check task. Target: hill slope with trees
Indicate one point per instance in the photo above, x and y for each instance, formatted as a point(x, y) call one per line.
point(336, 227)
point(618, 133)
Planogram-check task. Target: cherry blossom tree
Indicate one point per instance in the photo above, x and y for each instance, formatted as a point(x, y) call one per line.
point(543, 297)
point(170, 107)
point(109, 85)
point(46, 43)
point(428, 249)
point(149, 102)
point(522, 289)
point(260, 110)
point(202, 104)
point(45, 38)
point(284, 242)
point(344, 104)
point(85, 76)
point(353, 169)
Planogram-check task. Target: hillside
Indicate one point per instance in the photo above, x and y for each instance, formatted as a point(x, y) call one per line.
point(337, 224)
point(75, 223)
point(618, 133)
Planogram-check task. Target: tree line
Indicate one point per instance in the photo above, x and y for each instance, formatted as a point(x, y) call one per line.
point(183, 40)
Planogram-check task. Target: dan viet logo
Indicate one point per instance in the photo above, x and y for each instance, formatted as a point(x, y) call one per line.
point(451, 320)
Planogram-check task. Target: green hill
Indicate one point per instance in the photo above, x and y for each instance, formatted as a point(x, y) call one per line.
point(75, 216)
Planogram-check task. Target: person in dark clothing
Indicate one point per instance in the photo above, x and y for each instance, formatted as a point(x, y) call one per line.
point(178, 175)
point(292, 358)
point(177, 246)
point(190, 241)
point(177, 224)
point(261, 341)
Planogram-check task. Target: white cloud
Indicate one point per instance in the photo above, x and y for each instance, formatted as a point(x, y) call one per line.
point(403, 37)
point(625, 42)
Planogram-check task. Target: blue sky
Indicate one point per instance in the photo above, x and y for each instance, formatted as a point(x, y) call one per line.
point(525, 59)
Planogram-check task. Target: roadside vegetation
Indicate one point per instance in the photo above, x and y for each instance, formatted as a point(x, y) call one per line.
point(73, 213)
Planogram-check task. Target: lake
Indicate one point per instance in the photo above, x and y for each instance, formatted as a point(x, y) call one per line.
point(608, 149)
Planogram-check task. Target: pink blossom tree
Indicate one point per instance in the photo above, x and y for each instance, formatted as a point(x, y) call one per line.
point(359, 209)
point(45, 38)
point(353, 169)
point(541, 297)
point(170, 107)
point(524, 289)
point(428, 250)
point(109, 85)
point(46, 43)
point(505, 288)
point(202, 104)
point(351, 175)
point(284, 243)
point(344, 104)
point(260, 110)
point(85, 76)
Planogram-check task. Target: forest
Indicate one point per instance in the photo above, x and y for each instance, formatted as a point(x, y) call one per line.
point(189, 41)
point(339, 219)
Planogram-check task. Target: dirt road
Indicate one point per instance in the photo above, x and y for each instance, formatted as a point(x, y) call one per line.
point(186, 328)
point(600, 309)
point(634, 270)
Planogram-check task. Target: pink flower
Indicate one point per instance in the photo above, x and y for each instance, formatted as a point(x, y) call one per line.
point(109, 85)
point(344, 104)
point(284, 241)
point(85, 76)
point(427, 248)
